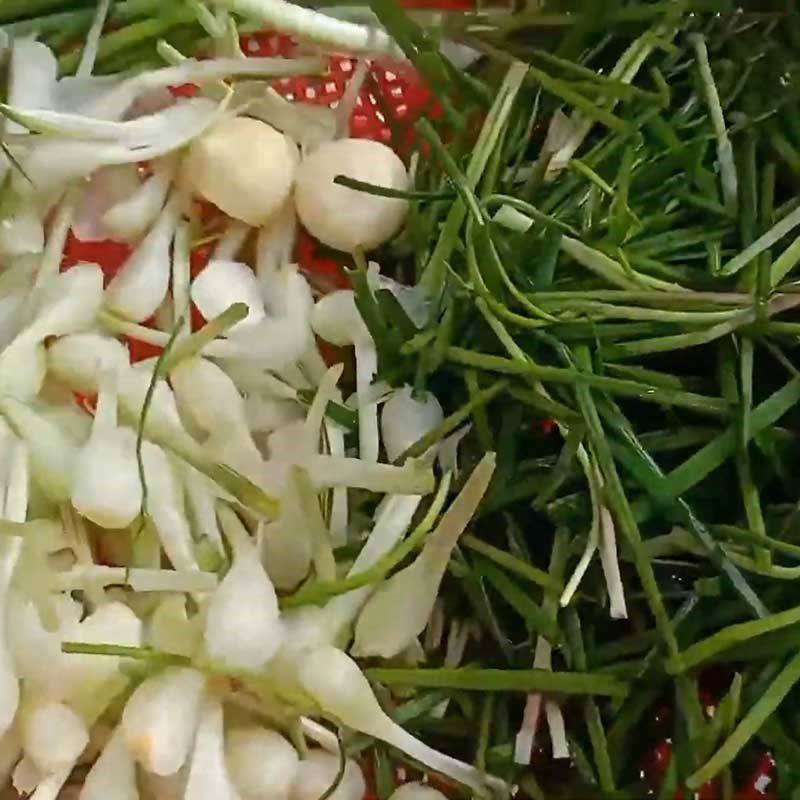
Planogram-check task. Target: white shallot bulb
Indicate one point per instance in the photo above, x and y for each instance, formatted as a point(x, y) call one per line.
point(160, 718)
point(316, 775)
point(344, 218)
point(53, 736)
point(382, 629)
point(262, 764)
point(140, 286)
point(407, 418)
point(336, 319)
point(416, 791)
point(79, 359)
point(244, 167)
point(107, 487)
point(223, 283)
point(166, 507)
point(247, 596)
point(340, 690)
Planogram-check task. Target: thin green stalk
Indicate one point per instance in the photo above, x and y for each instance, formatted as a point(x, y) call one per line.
point(472, 679)
point(433, 277)
point(510, 562)
point(319, 591)
point(621, 508)
point(134, 34)
point(591, 713)
point(762, 244)
point(711, 406)
point(706, 649)
point(716, 452)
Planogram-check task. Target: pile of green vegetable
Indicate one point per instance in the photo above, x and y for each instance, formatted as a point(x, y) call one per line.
point(640, 295)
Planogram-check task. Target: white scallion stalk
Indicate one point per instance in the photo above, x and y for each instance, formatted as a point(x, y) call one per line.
point(53, 735)
point(267, 414)
point(513, 219)
point(201, 496)
point(15, 510)
point(52, 453)
point(22, 233)
point(231, 242)
point(113, 775)
point(589, 549)
point(33, 73)
point(107, 488)
point(274, 250)
point(523, 747)
point(211, 403)
point(223, 283)
point(337, 320)
point(68, 303)
point(411, 478)
point(57, 238)
point(247, 596)
point(321, 549)
point(326, 393)
point(160, 719)
point(558, 731)
point(727, 164)
point(339, 504)
point(312, 25)
point(113, 104)
point(181, 280)
point(308, 125)
point(51, 162)
point(262, 764)
point(279, 341)
point(141, 285)
point(526, 736)
point(347, 103)
point(399, 610)
point(165, 507)
point(406, 418)
point(103, 190)
point(609, 560)
point(130, 218)
point(208, 773)
point(338, 687)
point(392, 520)
point(141, 132)
point(317, 773)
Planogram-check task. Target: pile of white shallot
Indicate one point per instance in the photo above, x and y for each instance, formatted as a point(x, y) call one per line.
point(145, 537)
